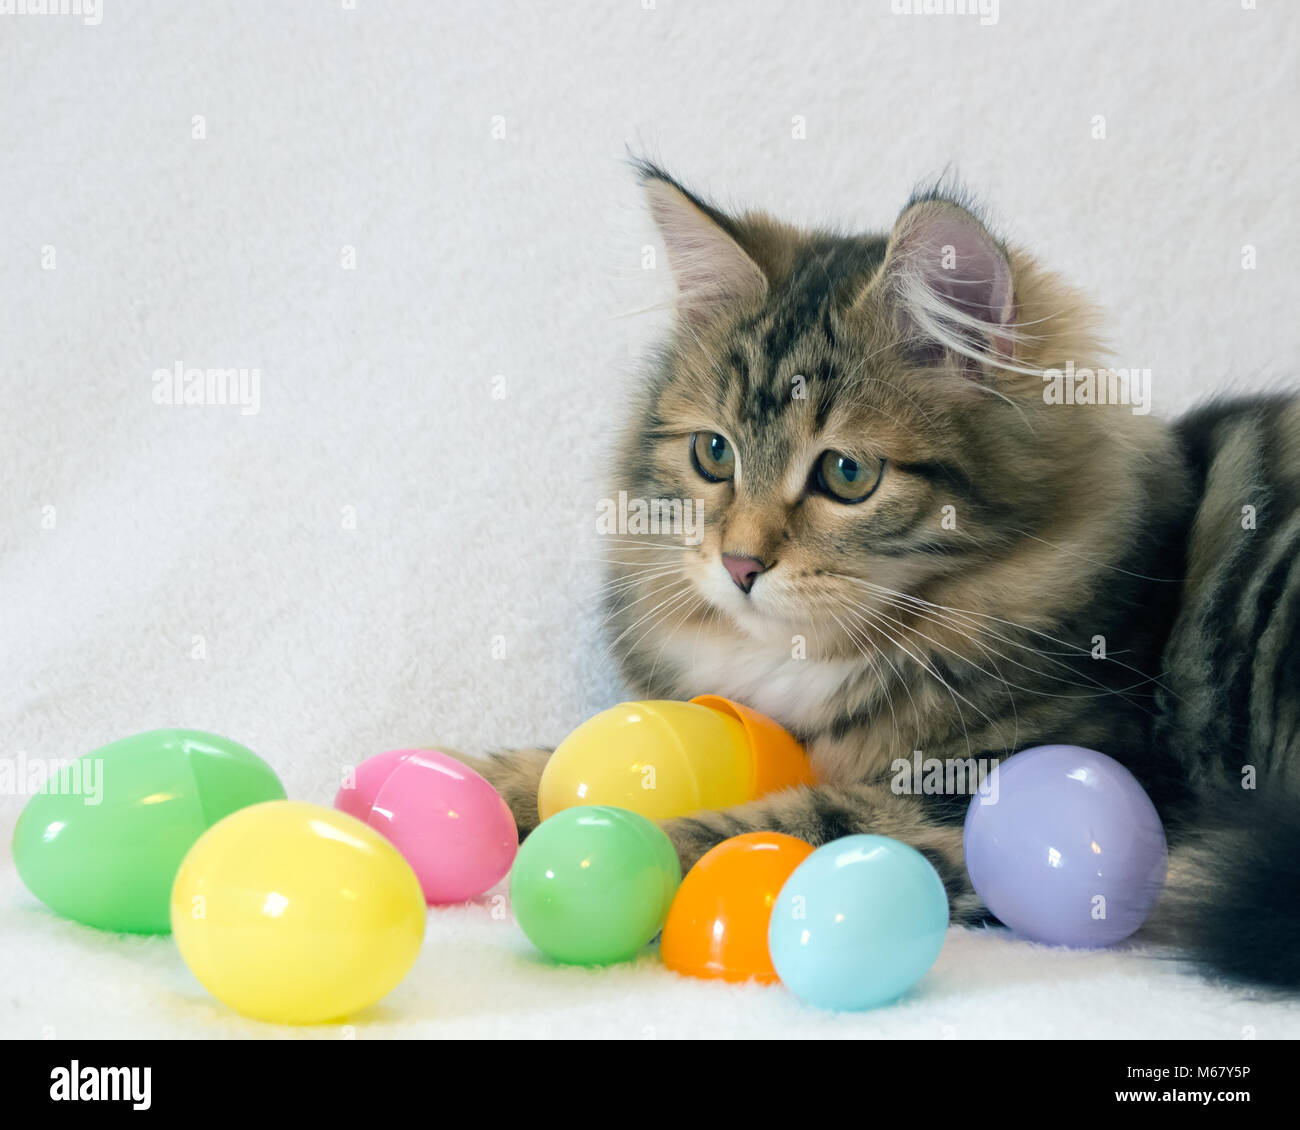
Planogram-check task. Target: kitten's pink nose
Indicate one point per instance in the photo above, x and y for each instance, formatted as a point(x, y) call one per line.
point(743, 570)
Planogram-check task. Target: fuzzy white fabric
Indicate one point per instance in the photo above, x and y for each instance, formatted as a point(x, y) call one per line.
point(398, 546)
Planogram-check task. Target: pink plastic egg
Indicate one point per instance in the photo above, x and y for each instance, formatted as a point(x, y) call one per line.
point(451, 826)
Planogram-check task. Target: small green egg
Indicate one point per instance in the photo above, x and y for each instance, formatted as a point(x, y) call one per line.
point(592, 885)
point(103, 840)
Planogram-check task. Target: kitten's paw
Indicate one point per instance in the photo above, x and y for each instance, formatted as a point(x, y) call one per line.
point(515, 774)
point(692, 836)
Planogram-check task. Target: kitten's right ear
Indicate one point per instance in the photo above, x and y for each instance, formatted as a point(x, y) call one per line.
point(713, 272)
point(950, 284)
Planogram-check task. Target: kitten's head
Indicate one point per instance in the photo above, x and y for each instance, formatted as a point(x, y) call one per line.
point(864, 421)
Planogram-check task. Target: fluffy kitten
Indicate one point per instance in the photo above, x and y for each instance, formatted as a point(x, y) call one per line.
point(907, 547)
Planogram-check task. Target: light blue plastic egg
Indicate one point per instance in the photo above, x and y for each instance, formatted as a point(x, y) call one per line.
point(858, 923)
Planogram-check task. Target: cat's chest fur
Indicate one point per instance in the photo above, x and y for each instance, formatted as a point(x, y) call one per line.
point(801, 693)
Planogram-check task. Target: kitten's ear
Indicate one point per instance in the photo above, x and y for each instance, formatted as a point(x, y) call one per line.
point(713, 272)
point(950, 283)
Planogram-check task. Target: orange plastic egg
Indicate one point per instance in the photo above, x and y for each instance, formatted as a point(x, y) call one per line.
point(717, 925)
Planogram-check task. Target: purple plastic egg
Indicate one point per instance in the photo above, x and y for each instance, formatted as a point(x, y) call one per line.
point(1065, 847)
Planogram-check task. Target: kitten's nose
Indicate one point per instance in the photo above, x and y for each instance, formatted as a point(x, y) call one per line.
point(743, 570)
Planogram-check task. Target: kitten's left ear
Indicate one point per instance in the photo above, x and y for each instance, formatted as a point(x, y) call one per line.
point(712, 270)
point(950, 282)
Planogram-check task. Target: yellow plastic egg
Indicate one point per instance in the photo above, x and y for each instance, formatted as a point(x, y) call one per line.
point(664, 759)
point(296, 914)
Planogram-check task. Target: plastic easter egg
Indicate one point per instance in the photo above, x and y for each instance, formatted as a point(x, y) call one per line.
point(665, 759)
point(776, 760)
point(858, 923)
point(102, 842)
point(452, 827)
point(296, 914)
point(592, 885)
point(1066, 848)
point(717, 926)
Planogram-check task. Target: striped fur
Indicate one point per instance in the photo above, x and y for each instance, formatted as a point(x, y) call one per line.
point(1097, 588)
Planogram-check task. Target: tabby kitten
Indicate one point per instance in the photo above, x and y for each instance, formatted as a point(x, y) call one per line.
point(907, 547)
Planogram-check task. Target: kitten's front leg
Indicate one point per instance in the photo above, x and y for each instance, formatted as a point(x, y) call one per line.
point(823, 813)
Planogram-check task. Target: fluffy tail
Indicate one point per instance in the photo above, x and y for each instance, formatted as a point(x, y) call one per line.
point(1232, 899)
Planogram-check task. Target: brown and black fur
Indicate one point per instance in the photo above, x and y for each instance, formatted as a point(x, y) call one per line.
point(876, 629)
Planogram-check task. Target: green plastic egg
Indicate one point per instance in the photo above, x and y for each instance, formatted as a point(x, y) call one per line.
point(102, 842)
point(592, 885)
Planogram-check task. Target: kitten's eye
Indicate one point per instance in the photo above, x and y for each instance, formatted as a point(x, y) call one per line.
point(713, 456)
point(845, 479)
